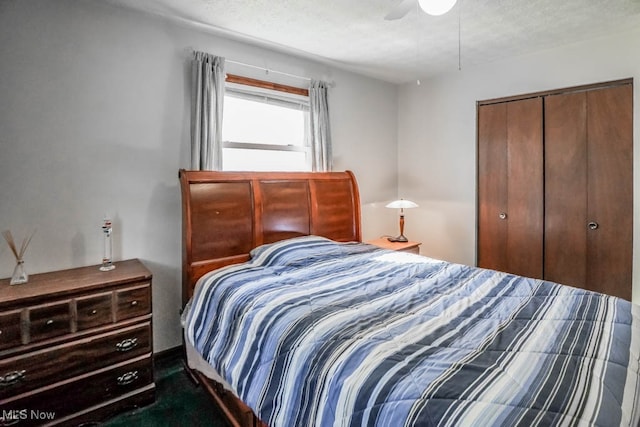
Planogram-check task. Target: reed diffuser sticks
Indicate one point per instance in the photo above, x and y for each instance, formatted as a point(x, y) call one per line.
point(19, 273)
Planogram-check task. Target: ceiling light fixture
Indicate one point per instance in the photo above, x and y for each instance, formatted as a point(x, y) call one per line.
point(436, 7)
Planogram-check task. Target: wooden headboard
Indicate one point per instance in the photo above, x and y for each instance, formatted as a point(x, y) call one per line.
point(226, 214)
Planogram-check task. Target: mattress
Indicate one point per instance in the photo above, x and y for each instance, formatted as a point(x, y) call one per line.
point(312, 332)
point(196, 362)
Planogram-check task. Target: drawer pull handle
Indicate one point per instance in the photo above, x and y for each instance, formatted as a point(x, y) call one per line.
point(93, 312)
point(11, 378)
point(49, 322)
point(134, 303)
point(126, 345)
point(128, 378)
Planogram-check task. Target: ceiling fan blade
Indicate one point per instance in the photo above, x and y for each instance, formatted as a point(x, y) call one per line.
point(400, 10)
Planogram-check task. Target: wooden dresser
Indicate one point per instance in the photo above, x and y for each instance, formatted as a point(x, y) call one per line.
point(75, 345)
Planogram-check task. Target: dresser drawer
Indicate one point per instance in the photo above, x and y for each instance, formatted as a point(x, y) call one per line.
point(133, 302)
point(33, 370)
point(84, 392)
point(48, 321)
point(94, 310)
point(10, 335)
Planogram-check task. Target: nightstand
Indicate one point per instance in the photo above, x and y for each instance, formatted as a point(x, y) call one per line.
point(76, 345)
point(383, 242)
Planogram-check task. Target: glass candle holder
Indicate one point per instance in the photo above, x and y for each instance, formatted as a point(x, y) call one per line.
point(107, 246)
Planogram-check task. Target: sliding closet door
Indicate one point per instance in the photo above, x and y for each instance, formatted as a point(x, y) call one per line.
point(565, 243)
point(525, 207)
point(510, 187)
point(610, 192)
point(588, 189)
point(492, 186)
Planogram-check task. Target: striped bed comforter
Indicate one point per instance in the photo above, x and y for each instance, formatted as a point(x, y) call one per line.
point(312, 332)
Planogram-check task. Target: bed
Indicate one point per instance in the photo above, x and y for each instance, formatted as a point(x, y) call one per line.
point(291, 321)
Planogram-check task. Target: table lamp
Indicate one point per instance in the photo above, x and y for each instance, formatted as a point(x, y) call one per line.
point(402, 205)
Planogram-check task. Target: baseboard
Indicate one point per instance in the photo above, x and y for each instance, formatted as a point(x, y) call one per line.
point(169, 355)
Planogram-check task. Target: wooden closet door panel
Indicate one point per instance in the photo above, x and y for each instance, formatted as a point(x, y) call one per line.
point(525, 187)
point(492, 186)
point(610, 192)
point(565, 240)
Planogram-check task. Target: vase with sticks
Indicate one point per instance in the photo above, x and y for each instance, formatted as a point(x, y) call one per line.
point(20, 275)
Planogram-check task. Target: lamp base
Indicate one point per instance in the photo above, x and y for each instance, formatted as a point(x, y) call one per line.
point(400, 238)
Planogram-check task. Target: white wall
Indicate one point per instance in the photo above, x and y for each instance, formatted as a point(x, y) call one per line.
point(94, 119)
point(437, 134)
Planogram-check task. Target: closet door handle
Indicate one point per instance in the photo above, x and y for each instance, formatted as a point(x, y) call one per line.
point(502, 215)
point(592, 225)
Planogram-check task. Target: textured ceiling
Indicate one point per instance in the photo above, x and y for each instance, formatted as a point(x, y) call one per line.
point(354, 35)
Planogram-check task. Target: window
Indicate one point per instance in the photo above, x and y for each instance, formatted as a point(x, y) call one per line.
point(264, 130)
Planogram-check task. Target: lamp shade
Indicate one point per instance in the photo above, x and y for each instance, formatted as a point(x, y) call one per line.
point(436, 7)
point(401, 204)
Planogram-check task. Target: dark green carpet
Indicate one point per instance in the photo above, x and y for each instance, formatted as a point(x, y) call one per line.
point(179, 402)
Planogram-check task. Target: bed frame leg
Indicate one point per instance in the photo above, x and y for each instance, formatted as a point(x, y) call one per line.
point(194, 379)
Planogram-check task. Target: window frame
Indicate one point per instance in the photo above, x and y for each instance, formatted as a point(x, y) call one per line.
point(269, 90)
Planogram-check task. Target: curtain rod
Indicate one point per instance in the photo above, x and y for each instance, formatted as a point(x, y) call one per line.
point(267, 70)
